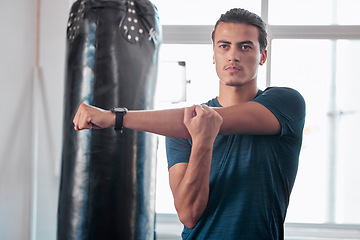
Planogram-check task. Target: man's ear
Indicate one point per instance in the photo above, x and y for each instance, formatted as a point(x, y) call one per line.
point(263, 57)
point(213, 59)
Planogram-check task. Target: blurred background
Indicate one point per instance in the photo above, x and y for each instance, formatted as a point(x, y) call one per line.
point(314, 48)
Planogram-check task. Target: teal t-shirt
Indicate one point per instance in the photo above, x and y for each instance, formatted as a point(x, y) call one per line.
point(251, 176)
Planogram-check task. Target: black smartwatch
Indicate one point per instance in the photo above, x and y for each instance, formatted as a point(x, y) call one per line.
point(119, 119)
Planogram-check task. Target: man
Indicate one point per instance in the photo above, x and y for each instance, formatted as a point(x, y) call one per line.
point(232, 161)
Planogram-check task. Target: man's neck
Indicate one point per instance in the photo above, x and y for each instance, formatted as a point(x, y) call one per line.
point(233, 95)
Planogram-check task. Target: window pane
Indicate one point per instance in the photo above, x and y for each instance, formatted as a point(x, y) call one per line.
point(304, 12)
point(348, 12)
point(200, 69)
point(348, 164)
point(306, 66)
point(164, 199)
point(190, 12)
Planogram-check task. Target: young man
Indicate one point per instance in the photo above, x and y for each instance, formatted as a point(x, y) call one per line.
point(233, 161)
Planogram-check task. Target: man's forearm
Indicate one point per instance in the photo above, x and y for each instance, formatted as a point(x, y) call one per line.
point(192, 193)
point(168, 123)
point(164, 122)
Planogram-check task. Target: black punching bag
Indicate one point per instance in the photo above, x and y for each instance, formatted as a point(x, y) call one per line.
point(107, 188)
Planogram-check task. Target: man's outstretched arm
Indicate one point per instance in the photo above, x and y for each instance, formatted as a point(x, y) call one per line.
point(163, 122)
point(246, 118)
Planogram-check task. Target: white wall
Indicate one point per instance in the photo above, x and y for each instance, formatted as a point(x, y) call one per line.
point(17, 101)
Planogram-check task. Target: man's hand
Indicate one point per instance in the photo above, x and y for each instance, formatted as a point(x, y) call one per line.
point(88, 117)
point(203, 123)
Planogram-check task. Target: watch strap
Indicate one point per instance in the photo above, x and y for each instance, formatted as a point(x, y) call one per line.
point(119, 118)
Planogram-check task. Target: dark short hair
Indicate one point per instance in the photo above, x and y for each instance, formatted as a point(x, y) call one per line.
point(239, 15)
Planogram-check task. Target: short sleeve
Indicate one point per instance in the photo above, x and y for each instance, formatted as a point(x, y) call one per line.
point(288, 106)
point(177, 150)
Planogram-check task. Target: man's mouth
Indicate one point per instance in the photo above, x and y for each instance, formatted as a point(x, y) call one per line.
point(232, 68)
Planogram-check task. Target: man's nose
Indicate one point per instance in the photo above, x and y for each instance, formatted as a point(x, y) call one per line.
point(234, 56)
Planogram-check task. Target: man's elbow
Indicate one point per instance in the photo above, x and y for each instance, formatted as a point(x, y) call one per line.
point(191, 216)
point(189, 220)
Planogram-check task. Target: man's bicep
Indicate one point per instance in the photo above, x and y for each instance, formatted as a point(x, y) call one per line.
point(248, 118)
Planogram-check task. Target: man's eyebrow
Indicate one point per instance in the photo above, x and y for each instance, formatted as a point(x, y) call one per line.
point(222, 41)
point(246, 42)
point(240, 43)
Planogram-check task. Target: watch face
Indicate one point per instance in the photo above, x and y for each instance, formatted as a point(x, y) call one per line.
point(119, 110)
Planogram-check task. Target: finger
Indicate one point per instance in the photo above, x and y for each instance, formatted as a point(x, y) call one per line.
point(211, 110)
point(189, 112)
point(205, 107)
point(83, 122)
point(199, 109)
point(78, 117)
point(76, 121)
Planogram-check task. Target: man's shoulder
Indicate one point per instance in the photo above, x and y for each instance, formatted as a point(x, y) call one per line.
point(287, 105)
point(280, 89)
point(213, 103)
point(282, 94)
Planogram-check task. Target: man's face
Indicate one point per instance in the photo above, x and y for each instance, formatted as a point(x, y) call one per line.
point(237, 53)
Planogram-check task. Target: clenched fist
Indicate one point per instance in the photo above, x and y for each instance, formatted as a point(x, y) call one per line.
point(203, 123)
point(88, 117)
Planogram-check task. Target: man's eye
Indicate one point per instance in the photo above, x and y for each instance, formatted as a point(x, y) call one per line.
point(224, 46)
point(245, 47)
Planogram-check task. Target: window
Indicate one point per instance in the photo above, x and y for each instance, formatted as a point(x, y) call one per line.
point(190, 12)
point(306, 66)
point(324, 72)
point(306, 12)
point(310, 12)
point(348, 129)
